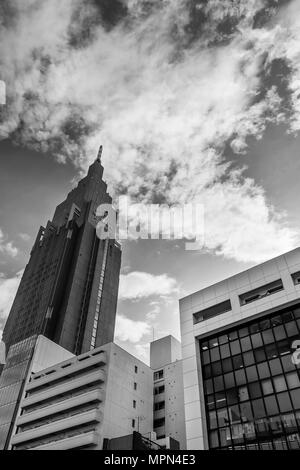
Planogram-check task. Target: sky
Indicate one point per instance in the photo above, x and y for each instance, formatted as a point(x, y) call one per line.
point(193, 101)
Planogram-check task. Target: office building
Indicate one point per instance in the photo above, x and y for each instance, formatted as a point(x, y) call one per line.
point(241, 379)
point(102, 399)
point(166, 363)
point(69, 288)
point(76, 404)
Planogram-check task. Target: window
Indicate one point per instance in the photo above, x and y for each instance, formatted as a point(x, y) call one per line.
point(284, 402)
point(235, 347)
point(210, 312)
point(261, 292)
point(250, 387)
point(279, 332)
point(229, 380)
point(225, 351)
point(157, 423)
point(279, 383)
point(248, 358)
point(291, 329)
point(256, 340)
point(133, 423)
point(275, 367)
point(246, 344)
point(158, 375)
point(254, 390)
point(213, 420)
point(216, 368)
point(271, 405)
point(222, 416)
point(136, 369)
point(296, 278)
point(293, 380)
point(213, 439)
point(215, 354)
point(267, 387)
point(158, 390)
point(227, 365)
point(159, 406)
point(295, 395)
point(134, 386)
point(134, 403)
point(260, 355)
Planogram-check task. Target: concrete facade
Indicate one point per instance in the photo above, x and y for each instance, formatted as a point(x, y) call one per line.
point(105, 393)
point(169, 416)
point(284, 267)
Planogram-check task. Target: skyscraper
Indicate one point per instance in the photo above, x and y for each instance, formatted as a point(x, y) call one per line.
point(68, 291)
point(69, 288)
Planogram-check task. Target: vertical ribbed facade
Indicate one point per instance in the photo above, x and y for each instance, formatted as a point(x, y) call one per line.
point(69, 288)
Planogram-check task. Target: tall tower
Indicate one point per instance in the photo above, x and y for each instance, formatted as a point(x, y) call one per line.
point(68, 291)
point(69, 288)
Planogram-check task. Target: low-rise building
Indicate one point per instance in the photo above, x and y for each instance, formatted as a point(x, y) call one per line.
point(105, 393)
point(166, 363)
point(241, 368)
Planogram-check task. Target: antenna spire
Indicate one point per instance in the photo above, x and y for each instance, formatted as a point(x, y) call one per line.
point(100, 153)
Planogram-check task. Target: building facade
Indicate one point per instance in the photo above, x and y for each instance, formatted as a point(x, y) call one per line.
point(78, 403)
point(101, 399)
point(240, 361)
point(168, 414)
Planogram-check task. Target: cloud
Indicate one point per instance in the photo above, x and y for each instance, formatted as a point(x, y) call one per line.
point(165, 86)
point(130, 330)
point(142, 351)
point(7, 247)
point(154, 311)
point(25, 237)
point(138, 285)
point(8, 289)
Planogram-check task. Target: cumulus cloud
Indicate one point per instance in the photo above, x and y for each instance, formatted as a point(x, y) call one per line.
point(6, 247)
point(8, 289)
point(155, 309)
point(165, 86)
point(142, 351)
point(138, 285)
point(130, 330)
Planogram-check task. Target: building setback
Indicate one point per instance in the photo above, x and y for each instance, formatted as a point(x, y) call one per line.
point(240, 366)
